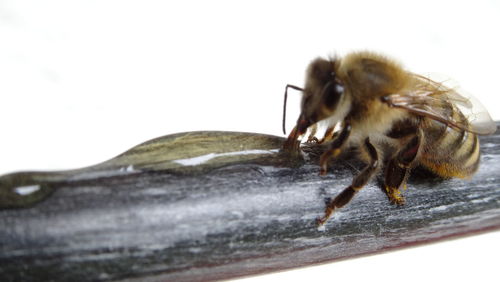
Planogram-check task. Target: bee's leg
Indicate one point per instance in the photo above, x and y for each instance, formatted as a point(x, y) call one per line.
point(292, 144)
point(312, 138)
point(357, 183)
point(398, 168)
point(335, 148)
point(329, 135)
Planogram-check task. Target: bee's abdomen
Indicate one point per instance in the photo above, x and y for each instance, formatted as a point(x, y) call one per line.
point(450, 152)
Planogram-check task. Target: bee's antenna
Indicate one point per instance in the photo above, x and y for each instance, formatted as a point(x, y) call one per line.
point(284, 103)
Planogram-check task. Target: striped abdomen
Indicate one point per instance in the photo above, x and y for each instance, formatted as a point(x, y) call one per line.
point(450, 152)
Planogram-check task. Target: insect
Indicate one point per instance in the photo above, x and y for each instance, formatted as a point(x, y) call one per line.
point(396, 119)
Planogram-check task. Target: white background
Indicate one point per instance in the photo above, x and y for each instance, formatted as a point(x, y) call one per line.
point(82, 81)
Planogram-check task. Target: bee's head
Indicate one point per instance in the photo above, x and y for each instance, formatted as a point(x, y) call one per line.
point(323, 93)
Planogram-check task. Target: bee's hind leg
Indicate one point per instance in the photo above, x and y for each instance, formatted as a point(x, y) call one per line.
point(357, 184)
point(397, 170)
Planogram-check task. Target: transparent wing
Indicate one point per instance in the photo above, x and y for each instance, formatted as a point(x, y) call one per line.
point(444, 103)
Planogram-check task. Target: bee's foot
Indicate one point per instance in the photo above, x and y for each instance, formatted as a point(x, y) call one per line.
point(398, 201)
point(395, 196)
point(320, 221)
point(292, 147)
point(323, 168)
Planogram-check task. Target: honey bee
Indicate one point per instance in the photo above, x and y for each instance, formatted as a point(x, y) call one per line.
point(396, 119)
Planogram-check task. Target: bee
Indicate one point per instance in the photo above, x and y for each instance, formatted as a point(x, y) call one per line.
point(396, 120)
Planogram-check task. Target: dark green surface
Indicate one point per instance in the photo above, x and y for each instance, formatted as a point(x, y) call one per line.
point(144, 216)
point(158, 154)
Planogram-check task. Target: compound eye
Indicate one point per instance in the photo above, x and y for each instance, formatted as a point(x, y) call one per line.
point(332, 93)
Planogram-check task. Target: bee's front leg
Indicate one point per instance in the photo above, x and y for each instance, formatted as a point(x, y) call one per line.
point(292, 144)
point(335, 148)
point(328, 136)
point(312, 132)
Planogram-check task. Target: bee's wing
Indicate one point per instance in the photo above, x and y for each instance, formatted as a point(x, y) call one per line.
point(444, 104)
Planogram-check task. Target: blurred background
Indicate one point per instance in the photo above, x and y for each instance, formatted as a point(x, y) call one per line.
point(83, 81)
